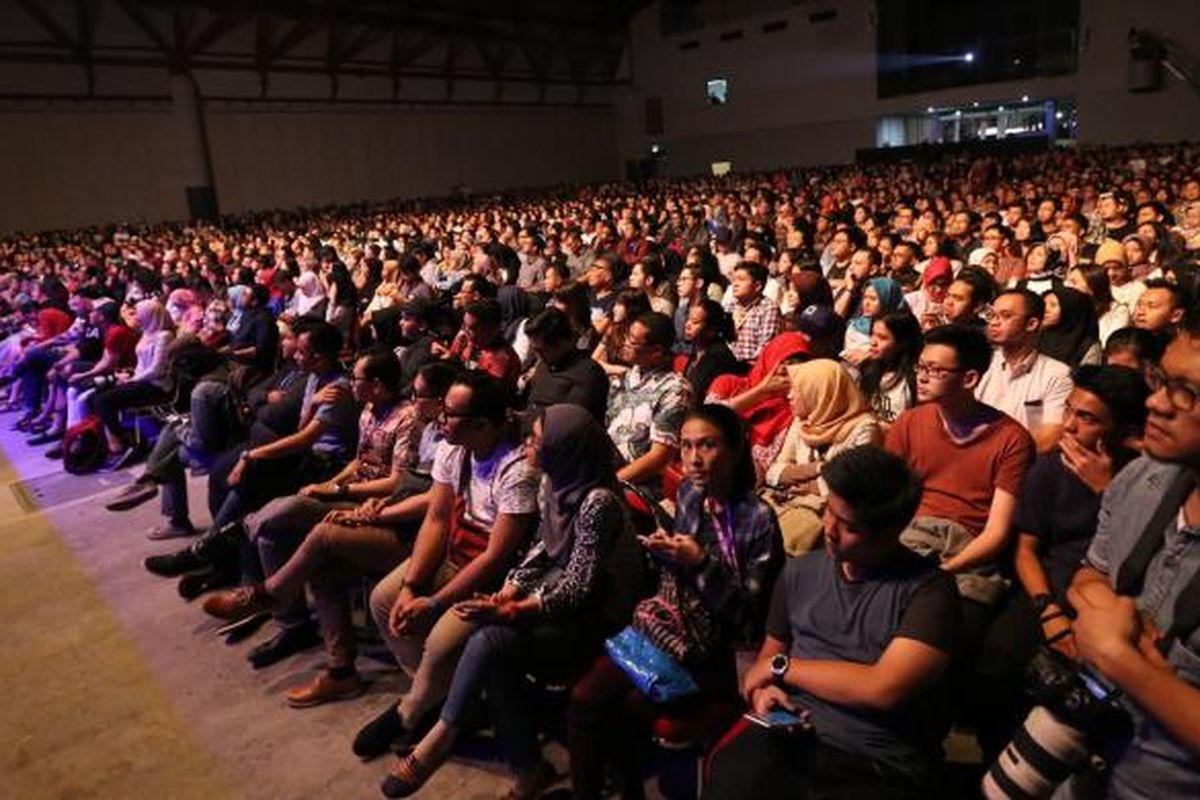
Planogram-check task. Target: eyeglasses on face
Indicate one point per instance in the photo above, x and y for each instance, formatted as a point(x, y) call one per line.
point(1182, 396)
point(935, 371)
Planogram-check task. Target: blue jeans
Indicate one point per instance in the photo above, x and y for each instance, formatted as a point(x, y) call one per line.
point(496, 659)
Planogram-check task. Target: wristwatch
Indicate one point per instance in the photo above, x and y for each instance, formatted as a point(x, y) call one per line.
point(779, 666)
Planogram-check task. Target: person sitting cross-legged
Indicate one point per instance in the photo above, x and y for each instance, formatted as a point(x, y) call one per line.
point(482, 508)
point(390, 432)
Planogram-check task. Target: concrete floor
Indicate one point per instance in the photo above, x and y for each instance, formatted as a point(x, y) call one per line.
point(120, 688)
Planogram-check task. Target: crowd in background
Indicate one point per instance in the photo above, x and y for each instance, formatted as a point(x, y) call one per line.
point(887, 431)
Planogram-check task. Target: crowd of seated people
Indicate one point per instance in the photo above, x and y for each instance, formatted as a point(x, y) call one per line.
point(886, 432)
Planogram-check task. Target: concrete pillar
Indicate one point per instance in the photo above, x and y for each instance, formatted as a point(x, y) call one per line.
point(187, 108)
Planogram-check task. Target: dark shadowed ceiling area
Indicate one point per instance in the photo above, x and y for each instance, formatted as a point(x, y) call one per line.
point(576, 43)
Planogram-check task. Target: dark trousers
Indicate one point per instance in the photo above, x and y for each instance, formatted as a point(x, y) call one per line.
point(497, 658)
point(765, 763)
point(609, 723)
point(107, 404)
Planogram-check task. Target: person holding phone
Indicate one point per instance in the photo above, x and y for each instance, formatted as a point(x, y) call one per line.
point(859, 639)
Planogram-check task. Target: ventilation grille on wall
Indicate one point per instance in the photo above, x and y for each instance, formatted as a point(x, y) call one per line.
point(776, 26)
point(822, 16)
point(732, 36)
point(690, 44)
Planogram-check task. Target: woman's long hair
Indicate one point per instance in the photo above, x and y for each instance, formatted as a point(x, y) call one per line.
point(907, 332)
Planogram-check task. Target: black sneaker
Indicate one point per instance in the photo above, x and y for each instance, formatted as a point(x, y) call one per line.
point(172, 565)
point(376, 737)
point(222, 576)
point(287, 642)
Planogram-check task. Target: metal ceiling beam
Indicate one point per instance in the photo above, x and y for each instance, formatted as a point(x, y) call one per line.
point(50, 25)
point(135, 12)
point(241, 13)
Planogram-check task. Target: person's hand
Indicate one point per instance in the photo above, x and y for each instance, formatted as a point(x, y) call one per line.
point(325, 489)
point(487, 609)
point(676, 547)
point(367, 513)
point(769, 697)
point(776, 383)
point(1054, 627)
point(330, 394)
point(758, 676)
point(237, 473)
point(1107, 629)
point(410, 613)
point(276, 396)
point(856, 357)
point(1093, 467)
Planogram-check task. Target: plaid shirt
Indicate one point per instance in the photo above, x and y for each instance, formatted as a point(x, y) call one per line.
point(756, 325)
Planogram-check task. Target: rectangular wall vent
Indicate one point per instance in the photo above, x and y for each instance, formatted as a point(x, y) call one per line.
point(822, 16)
point(732, 36)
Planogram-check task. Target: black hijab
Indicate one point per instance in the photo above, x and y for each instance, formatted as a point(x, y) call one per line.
point(576, 457)
point(1076, 331)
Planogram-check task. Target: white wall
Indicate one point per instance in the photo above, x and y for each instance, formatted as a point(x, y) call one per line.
point(807, 95)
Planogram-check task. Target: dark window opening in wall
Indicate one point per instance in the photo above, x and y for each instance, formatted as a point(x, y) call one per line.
point(927, 45)
point(822, 16)
point(691, 44)
point(776, 26)
point(731, 36)
point(718, 91)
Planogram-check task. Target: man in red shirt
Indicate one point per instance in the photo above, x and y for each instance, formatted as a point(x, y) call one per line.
point(480, 344)
point(972, 460)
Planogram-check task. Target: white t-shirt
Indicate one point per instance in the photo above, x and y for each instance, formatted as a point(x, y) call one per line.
point(504, 483)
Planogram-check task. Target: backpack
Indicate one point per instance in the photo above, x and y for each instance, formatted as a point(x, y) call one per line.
point(84, 447)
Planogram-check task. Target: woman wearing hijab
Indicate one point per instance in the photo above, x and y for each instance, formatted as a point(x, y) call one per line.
point(881, 296)
point(150, 382)
point(926, 302)
point(830, 415)
point(760, 396)
point(548, 613)
point(1069, 329)
point(310, 300)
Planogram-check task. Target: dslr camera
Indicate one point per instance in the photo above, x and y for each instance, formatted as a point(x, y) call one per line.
point(1077, 721)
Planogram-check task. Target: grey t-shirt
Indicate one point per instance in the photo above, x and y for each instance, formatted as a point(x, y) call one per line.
point(824, 617)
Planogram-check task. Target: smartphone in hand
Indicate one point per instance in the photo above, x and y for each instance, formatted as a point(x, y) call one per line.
point(781, 719)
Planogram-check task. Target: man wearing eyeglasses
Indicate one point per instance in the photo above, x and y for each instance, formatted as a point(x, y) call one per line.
point(972, 459)
point(1137, 597)
point(1029, 386)
point(482, 508)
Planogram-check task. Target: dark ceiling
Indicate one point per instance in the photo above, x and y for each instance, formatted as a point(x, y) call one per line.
point(577, 43)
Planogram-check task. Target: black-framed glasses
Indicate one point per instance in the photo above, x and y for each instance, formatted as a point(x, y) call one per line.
point(935, 371)
point(416, 396)
point(445, 414)
point(1182, 396)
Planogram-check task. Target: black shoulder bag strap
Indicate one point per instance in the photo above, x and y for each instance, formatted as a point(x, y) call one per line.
point(1132, 572)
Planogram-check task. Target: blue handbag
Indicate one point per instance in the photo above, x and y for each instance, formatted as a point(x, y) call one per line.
point(653, 672)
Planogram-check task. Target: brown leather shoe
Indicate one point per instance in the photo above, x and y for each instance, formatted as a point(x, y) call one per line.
point(235, 604)
point(324, 689)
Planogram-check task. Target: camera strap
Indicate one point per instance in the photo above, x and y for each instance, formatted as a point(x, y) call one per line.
point(1132, 573)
